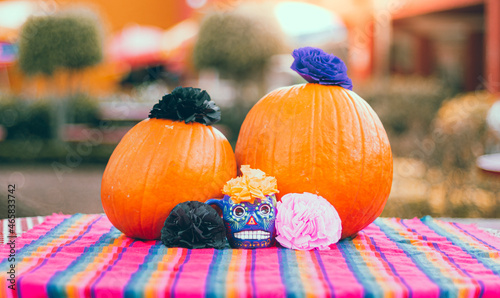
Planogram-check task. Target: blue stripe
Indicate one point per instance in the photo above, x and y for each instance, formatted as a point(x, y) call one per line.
point(178, 274)
point(480, 255)
point(43, 240)
point(53, 255)
point(391, 266)
point(216, 280)
point(211, 272)
point(481, 284)
point(289, 272)
point(483, 242)
point(102, 273)
point(360, 270)
point(56, 286)
point(445, 284)
point(136, 284)
point(323, 270)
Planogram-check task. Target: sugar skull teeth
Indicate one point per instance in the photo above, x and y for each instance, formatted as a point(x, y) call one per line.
point(254, 235)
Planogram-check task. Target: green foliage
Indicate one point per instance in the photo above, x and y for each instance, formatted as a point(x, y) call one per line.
point(238, 45)
point(46, 151)
point(69, 40)
point(24, 120)
point(82, 109)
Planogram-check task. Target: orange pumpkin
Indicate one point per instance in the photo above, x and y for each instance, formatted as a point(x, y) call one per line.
point(324, 140)
point(158, 164)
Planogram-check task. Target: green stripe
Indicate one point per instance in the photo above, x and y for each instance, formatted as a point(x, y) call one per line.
point(56, 287)
point(419, 258)
point(50, 235)
point(290, 274)
point(138, 281)
point(360, 269)
point(219, 269)
point(482, 256)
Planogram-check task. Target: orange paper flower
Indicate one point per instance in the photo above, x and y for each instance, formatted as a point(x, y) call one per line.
point(254, 184)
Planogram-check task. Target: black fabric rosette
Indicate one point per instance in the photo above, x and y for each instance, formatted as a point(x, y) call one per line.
point(194, 224)
point(187, 104)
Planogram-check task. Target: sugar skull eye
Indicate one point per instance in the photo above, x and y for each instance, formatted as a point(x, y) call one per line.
point(265, 209)
point(239, 211)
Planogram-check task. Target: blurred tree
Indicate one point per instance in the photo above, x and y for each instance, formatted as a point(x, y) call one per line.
point(69, 40)
point(237, 45)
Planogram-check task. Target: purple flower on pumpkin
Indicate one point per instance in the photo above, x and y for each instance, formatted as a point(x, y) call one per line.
point(316, 66)
point(307, 221)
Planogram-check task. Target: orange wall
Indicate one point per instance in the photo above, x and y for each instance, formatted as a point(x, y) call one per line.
point(115, 14)
point(119, 13)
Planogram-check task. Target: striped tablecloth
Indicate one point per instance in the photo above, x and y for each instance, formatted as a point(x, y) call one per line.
point(21, 225)
point(84, 256)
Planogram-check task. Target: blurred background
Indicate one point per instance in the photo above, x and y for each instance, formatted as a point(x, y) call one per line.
point(75, 77)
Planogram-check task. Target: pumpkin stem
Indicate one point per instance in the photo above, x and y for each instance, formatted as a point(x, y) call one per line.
point(187, 104)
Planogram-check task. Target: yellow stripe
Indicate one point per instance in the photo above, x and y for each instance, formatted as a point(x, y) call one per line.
point(460, 280)
point(42, 252)
point(162, 273)
point(493, 254)
point(93, 268)
point(374, 265)
point(307, 272)
point(232, 273)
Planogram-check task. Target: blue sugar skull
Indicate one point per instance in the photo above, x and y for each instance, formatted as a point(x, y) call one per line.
point(248, 225)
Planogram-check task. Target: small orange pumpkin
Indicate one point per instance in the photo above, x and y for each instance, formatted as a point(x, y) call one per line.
point(325, 140)
point(162, 162)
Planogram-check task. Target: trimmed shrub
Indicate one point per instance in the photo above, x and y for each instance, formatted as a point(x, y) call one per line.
point(237, 45)
point(69, 40)
point(25, 120)
point(32, 119)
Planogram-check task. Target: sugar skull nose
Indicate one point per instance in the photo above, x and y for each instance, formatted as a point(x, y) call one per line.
point(251, 221)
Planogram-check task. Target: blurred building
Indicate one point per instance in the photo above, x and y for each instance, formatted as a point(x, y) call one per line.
point(456, 40)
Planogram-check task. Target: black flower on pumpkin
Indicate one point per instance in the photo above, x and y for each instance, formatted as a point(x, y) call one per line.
point(187, 104)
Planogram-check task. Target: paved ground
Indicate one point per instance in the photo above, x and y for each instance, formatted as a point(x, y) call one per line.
point(43, 189)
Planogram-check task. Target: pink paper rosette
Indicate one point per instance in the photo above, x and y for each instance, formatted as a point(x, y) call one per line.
point(307, 221)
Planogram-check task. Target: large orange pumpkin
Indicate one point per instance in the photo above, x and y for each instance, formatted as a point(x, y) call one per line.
point(324, 140)
point(158, 164)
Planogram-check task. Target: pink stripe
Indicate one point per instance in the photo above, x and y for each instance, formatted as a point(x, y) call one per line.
point(241, 285)
point(128, 264)
point(35, 281)
point(472, 266)
point(86, 276)
point(36, 233)
point(194, 272)
point(476, 269)
point(404, 266)
point(160, 287)
point(24, 224)
point(344, 284)
point(267, 273)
